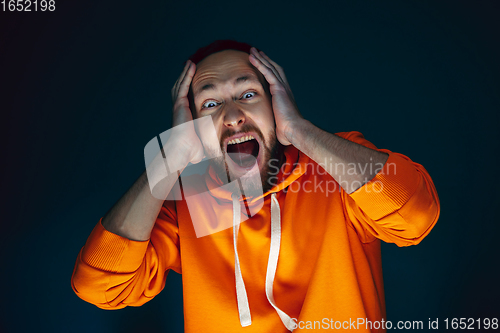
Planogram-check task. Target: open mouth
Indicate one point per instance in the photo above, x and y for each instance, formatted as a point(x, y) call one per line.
point(243, 150)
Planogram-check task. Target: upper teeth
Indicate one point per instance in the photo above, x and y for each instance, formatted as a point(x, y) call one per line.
point(241, 140)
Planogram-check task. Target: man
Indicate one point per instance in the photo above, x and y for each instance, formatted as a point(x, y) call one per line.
point(307, 209)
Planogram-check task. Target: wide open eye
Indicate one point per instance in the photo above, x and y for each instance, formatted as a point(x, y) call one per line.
point(249, 95)
point(209, 104)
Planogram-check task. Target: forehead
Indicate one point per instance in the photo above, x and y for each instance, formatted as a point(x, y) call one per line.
point(222, 67)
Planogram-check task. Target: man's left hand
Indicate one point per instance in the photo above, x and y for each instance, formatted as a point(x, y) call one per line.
point(286, 113)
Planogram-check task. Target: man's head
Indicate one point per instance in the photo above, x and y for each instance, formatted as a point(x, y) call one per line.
point(227, 87)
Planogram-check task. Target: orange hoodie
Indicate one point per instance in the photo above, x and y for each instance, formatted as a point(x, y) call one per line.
point(329, 272)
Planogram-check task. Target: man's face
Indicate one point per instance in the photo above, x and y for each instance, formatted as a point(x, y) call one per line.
point(232, 91)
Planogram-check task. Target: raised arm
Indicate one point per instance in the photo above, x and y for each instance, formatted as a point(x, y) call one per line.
point(131, 249)
point(134, 215)
point(386, 195)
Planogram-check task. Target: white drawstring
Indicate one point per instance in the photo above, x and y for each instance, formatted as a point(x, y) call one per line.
point(272, 264)
point(241, 292)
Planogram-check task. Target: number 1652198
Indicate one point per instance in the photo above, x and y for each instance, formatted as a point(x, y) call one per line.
point(28, 5)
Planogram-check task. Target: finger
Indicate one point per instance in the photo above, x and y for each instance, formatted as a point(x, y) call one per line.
point(266, 71)
point(271, 64)
point(264, 61)
point(256, 53)
point(186, 81)
point(183, 73)
point(181, 77)
point(278, 67)
point(280, 71)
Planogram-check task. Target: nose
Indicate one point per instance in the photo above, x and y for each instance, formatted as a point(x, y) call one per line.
point(233, 117)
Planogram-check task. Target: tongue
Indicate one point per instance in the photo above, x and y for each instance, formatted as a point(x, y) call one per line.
point(244, 154)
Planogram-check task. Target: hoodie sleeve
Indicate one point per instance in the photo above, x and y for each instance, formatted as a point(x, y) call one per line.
point(113, 272)
point(399, 205)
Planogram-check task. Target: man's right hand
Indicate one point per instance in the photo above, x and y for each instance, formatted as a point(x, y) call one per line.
point(135, 214)
point(185, 137)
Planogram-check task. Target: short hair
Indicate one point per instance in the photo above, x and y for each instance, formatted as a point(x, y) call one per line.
point(214, 47)
point(218, 46)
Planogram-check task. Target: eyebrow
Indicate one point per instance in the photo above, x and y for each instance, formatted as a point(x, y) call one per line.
point(241, 79)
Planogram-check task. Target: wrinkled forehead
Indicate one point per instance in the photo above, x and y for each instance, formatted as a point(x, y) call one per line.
point(223, 67)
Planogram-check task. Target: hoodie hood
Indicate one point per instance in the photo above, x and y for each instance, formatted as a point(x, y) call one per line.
point(293, 167)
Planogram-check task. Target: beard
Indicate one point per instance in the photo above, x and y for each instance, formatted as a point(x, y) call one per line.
point(251, 186)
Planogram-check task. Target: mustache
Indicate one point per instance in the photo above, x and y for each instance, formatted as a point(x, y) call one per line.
point(246, 128)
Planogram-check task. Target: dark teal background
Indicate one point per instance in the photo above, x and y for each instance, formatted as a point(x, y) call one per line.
point(84, 88)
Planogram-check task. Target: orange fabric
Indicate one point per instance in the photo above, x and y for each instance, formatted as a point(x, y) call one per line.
point(329, 264)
